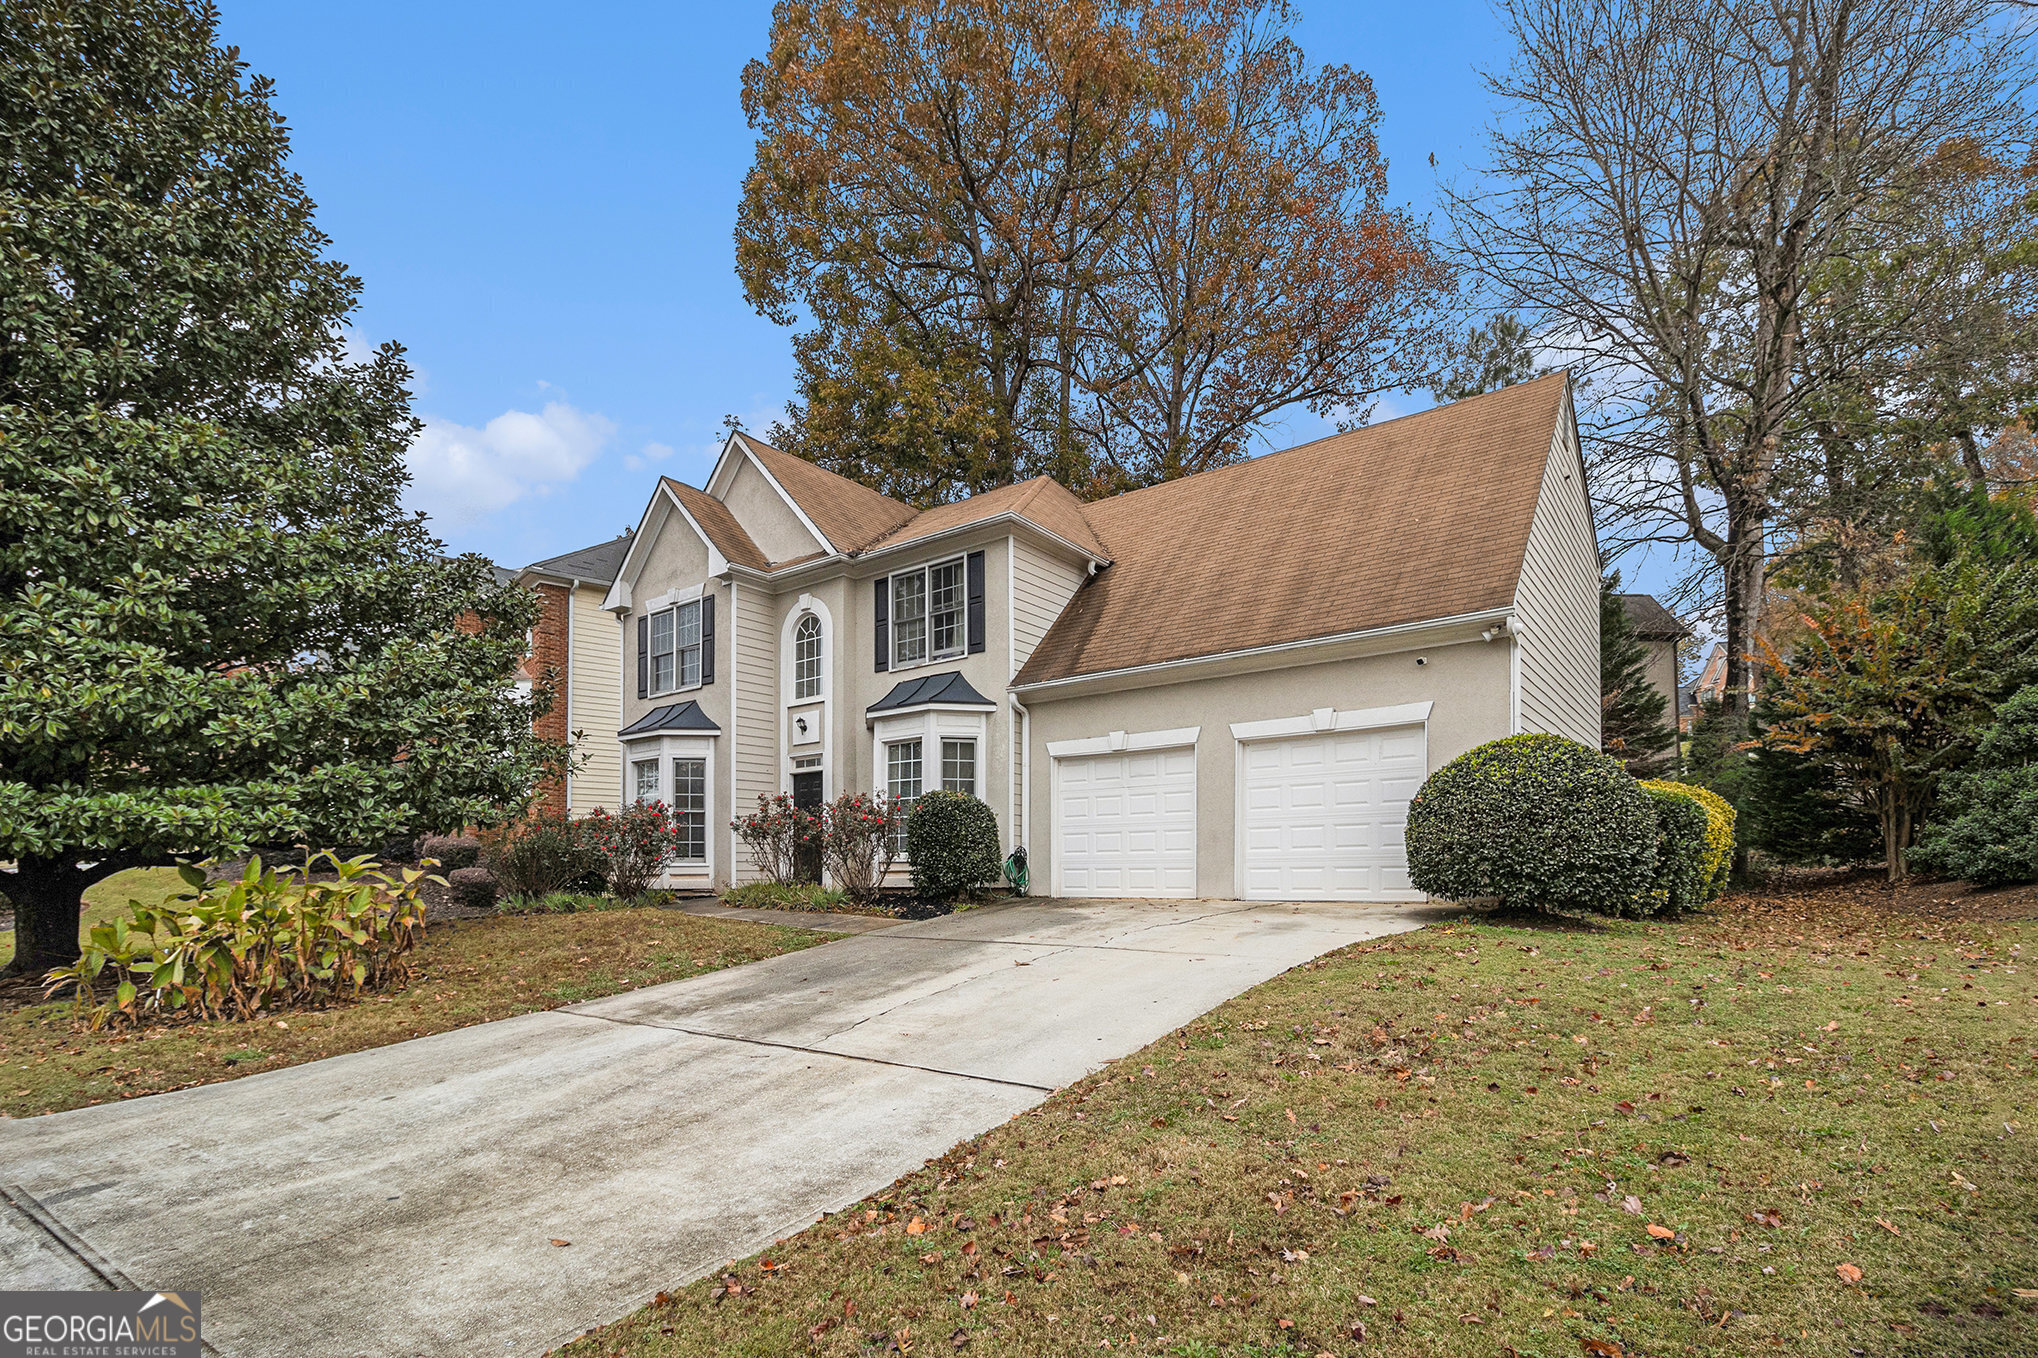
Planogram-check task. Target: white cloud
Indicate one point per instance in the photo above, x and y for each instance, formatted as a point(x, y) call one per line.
point(653, 451)
point(460, 474)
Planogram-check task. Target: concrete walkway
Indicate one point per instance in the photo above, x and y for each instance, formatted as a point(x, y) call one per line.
point(411, 1199)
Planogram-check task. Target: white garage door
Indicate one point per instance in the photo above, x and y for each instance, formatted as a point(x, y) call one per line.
point(1324, 814)
point(1125, 824)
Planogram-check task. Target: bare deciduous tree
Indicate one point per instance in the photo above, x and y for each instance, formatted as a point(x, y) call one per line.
point(1673, 184)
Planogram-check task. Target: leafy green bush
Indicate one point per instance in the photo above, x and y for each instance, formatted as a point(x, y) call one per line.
point(451, 851)
point(543, 854)
point(1986, 828)
point(633, 845)
point(237, 949)
point(1537, 822)
point(1681, 850)
point(952, 842)
point(1719, 829)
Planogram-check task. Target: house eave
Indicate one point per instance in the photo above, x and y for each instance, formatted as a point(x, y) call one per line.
point(1003, 519)
point(1454, 630)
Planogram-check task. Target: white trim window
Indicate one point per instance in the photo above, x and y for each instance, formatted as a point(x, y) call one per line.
point(902, 784)
point(930, 613)
point(807, 659)
point(646, 779)
point(690, 810)
point(676, 648)
point(959, 767)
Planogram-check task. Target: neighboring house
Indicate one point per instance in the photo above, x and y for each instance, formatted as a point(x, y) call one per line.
point(578, 644)
point(1661, 634)
point(1711, 686)
point(1225, 685)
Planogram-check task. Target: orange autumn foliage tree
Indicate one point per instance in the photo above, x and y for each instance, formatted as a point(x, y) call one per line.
point(1889, 684)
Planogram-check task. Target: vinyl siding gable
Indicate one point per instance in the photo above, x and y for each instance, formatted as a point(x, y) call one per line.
point(1557, 601)
point(595, 709)
point(1042, 585)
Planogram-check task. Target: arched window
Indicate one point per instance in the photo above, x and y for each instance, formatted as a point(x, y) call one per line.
point(807, 658)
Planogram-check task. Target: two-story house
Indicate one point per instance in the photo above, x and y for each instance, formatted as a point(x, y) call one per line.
point(1226, 685)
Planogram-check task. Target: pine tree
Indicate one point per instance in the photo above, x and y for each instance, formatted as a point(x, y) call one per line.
point(1631, 710)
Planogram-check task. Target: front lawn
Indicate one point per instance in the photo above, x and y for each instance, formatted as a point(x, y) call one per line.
point(467, 971)
point(1798, 1123)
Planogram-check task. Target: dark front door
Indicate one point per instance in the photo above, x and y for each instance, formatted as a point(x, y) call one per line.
point(807, 796)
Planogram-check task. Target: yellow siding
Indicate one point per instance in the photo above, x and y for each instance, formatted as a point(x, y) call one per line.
point(595, 703)
point(1557, 602)
point(754, 641)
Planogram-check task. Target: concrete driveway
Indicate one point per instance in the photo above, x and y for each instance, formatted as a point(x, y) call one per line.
point(406, 1200)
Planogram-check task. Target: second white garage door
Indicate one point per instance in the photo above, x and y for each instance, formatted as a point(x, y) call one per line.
point(1125, 824)
point(1321, 816)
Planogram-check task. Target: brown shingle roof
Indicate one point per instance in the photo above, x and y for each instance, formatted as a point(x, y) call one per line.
point(1650, 619)
point(719, 524)
point(1422, 517)
point(1043, 501)
point(850, 514)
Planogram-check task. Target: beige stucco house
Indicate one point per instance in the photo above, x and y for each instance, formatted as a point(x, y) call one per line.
point(1226, 685)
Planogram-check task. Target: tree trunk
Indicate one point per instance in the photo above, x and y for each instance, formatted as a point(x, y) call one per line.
point(1744, 567)
point(47, 895)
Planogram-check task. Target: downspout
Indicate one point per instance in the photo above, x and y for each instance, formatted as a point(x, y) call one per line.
point(1025, 776)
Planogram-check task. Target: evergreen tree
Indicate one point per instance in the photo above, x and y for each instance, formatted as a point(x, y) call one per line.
point(218, 628)
point(1632, 727)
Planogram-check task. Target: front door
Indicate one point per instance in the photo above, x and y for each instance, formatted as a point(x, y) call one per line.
point(807, 797)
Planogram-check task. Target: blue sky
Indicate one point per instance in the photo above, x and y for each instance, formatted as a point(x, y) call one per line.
point(540, 200)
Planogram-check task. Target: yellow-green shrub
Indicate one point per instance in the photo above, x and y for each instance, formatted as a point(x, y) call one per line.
point(264, 942)
point(1719, 829)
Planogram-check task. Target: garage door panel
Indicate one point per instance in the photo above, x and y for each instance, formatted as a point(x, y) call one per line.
point(1323, 814)
point(1126, 824)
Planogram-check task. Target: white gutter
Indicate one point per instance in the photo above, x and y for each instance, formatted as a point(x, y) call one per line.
point(1410, 630)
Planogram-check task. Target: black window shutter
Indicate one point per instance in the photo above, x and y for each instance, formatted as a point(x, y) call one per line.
point(707, 638)
point(882, 611)
point(643, 655)
point(973, 571)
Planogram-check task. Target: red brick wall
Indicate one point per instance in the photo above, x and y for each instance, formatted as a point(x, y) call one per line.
point(550, 659)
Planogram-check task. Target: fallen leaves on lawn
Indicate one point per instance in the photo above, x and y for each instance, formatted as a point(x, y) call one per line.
point(1849, 1274)
point(562, 1243)
point(1661, 1232)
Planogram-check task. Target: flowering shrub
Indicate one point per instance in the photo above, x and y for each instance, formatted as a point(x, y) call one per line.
point(775, 833)
point(858, 841)
point(264, 942)
point(634, 846)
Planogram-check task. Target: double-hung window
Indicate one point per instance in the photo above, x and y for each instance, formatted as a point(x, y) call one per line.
point(676, 648)
point(690, 810)
point(929, 613)
point(902, 785)
point(645, 772)
point(959, 766)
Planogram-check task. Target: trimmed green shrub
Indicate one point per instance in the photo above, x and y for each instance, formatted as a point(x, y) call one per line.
point(1537, 822)
point(1681, 876)
point(451, 852)
point(1719, 829)
point(952, 841)
point(1986, 828)
point(473, 888)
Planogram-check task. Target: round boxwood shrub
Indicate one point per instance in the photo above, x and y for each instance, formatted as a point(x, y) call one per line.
point(952, 843)
point(1537, 822)
point(453, 852)
point(1681, 875)
point(1719, 829)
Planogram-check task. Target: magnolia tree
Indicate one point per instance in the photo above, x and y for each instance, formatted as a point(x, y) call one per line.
point(218, 629)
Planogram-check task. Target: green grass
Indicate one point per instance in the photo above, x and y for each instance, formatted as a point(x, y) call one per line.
point(1480, 1139)
point(467, 971)
point(108, 898)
